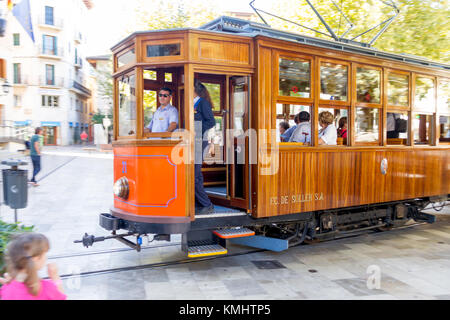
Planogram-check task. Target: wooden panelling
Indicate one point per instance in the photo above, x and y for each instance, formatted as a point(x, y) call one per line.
point(314, 180)
point(224, 51)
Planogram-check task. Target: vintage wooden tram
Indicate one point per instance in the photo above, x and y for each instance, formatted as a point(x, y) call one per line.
point(267, 193)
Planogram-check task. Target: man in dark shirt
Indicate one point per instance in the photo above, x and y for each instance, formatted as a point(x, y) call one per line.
point(35, 154)
point(204, 120)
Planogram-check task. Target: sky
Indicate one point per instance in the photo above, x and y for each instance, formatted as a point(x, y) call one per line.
point(108, 21)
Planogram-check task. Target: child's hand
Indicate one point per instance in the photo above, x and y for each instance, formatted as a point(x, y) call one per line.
point(52, 270)
point(5, 279)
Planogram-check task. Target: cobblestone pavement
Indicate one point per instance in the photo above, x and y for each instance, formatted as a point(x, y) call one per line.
point(76, 185)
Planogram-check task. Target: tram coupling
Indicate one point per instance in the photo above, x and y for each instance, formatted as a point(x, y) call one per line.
point(88, 240)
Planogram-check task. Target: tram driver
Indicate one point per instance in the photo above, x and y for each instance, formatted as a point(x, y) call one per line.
point(165, 118)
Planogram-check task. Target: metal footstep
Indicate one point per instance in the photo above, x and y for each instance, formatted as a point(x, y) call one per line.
point(206, 250)
point(234, 233)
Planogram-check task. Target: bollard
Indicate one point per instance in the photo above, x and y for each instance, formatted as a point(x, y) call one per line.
point(15, 185)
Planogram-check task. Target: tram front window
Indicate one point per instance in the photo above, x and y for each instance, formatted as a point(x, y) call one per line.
point(162, 101)
point(127, 105)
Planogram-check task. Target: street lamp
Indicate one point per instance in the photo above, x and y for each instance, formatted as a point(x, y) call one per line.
point(5, 87)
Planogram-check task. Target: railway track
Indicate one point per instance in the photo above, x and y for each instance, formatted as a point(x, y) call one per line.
point(191, 260)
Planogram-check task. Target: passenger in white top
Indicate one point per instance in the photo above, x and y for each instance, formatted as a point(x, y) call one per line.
point(302, 132)
point(328, 133)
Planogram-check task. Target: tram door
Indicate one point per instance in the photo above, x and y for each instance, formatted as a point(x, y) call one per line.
point(237, 144)
point(225, 167)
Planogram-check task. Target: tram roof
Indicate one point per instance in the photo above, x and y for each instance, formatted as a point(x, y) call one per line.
point(248, 28)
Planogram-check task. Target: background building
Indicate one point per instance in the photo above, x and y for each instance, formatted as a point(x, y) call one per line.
point(50, 74)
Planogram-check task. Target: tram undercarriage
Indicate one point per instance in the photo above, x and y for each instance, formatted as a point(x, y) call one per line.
point(209, 234)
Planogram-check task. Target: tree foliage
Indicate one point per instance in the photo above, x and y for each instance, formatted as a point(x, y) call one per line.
point(174, 14)
point(422, 27)
point(7, 231)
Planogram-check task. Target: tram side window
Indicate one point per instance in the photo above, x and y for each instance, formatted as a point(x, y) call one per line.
point(397, 128)
point(367, 128)
point(129, 57)
point(368, 85)
point(333, 81)
point(127, 105)
point(398, 89)
point(444, 129)
point(294, 123)
point(423, 128)
point(424, 94)
point(338, 126)
point(294, 78)
point(444, 96)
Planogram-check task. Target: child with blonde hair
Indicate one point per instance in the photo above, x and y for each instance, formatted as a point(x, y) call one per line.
point(25, 256)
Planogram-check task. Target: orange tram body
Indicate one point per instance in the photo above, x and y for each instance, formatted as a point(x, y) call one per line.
point(268, 193)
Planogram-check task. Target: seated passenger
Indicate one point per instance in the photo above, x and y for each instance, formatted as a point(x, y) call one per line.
point(342, 130)
point(303, 131)
point(165, 118)
point(328, 133)
point(282, 127)
point(287, 134)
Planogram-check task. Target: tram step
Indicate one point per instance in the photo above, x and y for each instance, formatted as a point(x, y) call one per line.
point(234, 233)
point(206, 250)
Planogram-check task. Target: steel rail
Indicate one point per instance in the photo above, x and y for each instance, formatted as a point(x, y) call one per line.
point(190, 260)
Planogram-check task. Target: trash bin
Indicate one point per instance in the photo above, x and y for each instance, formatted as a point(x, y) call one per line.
point(15, 185)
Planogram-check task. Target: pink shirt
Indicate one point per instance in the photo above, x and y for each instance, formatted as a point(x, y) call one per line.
point(16, 290)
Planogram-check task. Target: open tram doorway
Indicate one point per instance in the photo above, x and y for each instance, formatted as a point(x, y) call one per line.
point(226, 167)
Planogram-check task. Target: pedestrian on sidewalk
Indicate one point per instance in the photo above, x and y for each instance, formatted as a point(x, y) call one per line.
point(83, 137)
point(25, 256)
point(35, 154)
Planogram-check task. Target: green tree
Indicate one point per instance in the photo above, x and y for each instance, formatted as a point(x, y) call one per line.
point(174, 14)
point(422, 27)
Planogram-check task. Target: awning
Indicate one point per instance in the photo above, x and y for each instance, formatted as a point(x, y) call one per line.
point(22, 123)
point(50, 124)
point(70, 124)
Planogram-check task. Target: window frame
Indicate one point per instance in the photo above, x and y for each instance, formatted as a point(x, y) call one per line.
point(349, 80)
point(16, 39)
point(414, 78)
point(162, 41)
point(132, 72)
point(410, 89)
point(432, 139)
point(295, 57)
point(118, 69)
point(438, 110)
point(355, 92)
point(48, 13)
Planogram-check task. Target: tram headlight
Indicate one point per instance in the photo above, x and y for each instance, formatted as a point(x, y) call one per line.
point(121, 188)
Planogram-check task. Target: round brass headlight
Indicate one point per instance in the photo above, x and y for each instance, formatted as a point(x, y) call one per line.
point(121, 188)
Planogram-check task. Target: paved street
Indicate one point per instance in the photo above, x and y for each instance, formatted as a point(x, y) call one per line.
point(76, 185)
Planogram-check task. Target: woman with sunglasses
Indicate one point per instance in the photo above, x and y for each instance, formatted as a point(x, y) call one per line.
point(204, 120)
point(165, 118)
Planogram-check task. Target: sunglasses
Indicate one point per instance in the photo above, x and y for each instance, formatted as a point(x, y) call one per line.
point(163, 95)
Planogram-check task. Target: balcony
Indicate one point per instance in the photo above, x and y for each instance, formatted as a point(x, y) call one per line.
point(78, 62)
point(54, 24)
point(21, 81)
point(78, 37)
point(77, 87)
point(55, 83)
point(51, 53)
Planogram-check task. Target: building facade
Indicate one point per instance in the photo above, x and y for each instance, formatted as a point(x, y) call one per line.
point(6, 98)
point(50, 74)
